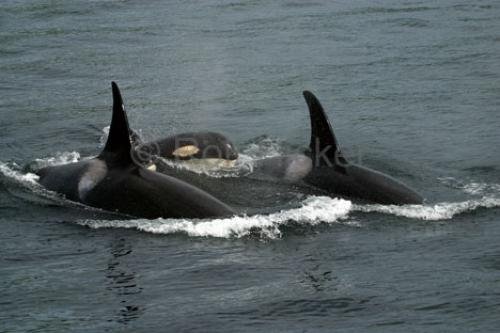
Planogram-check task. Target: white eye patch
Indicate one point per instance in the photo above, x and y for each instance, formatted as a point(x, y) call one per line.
point(186, 151)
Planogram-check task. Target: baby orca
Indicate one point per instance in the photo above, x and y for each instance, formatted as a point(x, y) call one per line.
point(205, 148)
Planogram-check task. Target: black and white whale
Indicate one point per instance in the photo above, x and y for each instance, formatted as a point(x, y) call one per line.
point(196, 145)
point(114, 182)
point(325, 167)
point(203, 148)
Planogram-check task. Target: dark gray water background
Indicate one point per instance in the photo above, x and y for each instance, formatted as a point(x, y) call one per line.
point(412, 89)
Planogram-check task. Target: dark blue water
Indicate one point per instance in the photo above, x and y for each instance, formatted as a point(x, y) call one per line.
point(412, 89)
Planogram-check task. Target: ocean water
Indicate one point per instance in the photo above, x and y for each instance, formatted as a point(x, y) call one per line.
point(412, 88)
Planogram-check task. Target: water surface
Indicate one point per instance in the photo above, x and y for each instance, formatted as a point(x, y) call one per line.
point(412, 89)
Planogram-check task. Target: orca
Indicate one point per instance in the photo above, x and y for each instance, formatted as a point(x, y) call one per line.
point(114, 182)
point(326, 168)
point(195, 145)
point(206, 148)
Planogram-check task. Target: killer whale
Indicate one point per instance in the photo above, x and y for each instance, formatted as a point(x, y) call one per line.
point(203, 147)
point(334, 173)
point(195, 145)
point(325, 167)
point(114, 182)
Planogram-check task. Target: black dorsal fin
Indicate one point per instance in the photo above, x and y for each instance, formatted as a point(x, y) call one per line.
point(325, 150)
point(118, 147)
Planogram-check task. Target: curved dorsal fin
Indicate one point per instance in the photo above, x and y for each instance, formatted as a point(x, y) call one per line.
point(324, 147)
point(118, 145)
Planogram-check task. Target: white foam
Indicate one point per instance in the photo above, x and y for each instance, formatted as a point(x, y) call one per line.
point(436, 212)
point(242, 166)
point(104, 136)
point(264, 148)
point(29, 178)
point(59, 159)
point(481, 188)
point(314, 210)
point(473, 188)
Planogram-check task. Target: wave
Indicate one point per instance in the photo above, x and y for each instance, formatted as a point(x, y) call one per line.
point(25, 186)
point(472, 187)
point(10, 172)
point(436, 212)
point(263, 147)
point(481, 188)
point(314, 210)
point(58, 159)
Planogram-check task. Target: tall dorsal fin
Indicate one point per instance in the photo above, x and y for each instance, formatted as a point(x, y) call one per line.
point(324, 147)
point(118, 147)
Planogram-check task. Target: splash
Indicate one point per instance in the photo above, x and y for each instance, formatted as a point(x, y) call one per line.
point(263, 147)
point(24, 178)
point(437, 212)
point(481, 188)
point(314, 210)
point(473, 187)
point(213, 168)
point(59, 159)
point(104, 136)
